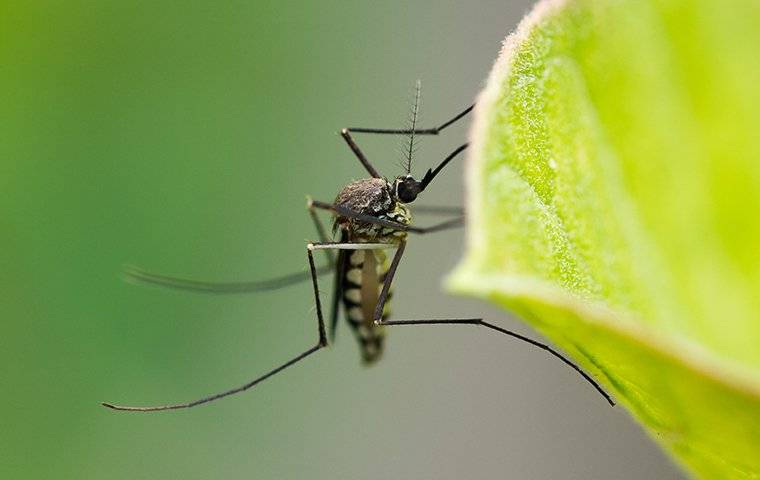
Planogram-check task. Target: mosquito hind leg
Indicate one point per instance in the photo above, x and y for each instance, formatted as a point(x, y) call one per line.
point(378, 318)
point(321, 343)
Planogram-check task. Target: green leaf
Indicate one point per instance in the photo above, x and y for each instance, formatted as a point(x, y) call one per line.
point(613, 201)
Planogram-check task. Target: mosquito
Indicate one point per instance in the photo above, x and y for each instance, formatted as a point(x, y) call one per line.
point(371, 218)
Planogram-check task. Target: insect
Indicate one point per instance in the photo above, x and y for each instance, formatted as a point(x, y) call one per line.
point(372, 217)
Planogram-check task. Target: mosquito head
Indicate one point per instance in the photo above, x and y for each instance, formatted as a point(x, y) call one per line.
point(407, 188)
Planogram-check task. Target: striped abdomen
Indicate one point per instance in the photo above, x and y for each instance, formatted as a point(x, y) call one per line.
point(363, 275)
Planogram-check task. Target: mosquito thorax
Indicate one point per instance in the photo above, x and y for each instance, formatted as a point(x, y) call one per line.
point(376, 197)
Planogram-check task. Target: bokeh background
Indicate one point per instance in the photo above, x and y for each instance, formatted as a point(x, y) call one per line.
point(183, 137)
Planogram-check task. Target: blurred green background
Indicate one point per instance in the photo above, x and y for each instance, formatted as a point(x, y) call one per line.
point(183, 137)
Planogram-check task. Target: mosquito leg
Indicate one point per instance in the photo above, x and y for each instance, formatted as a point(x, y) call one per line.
point(346, 134)
point(480, 322)
point(342, 248)
point(439, 227)
point(321, 231)
point(322, 342)
point(337, 293)
point(438, 210)
point(407, 131)
point(347, 212)
point(338, 265)
point(378, 318)
point(352, 246)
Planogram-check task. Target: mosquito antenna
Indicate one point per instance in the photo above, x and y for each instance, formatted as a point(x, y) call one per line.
point(413, 125)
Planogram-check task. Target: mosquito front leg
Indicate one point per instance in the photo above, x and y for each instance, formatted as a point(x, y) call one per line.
point(348, 213)
point(378, 318)
point(416, 131)
point(320, 227)
point(346, 134)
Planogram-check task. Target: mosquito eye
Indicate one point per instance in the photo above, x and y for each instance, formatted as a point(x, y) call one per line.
point(407, 190)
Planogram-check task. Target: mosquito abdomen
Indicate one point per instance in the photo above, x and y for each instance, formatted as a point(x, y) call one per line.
point(363, 277)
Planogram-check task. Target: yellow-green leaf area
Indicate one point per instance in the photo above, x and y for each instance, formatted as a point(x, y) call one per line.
point(614, 201)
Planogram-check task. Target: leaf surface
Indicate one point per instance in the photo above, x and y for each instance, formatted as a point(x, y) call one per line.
point(613, 197)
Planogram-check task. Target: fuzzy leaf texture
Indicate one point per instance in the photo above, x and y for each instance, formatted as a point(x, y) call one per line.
point(613, 200)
